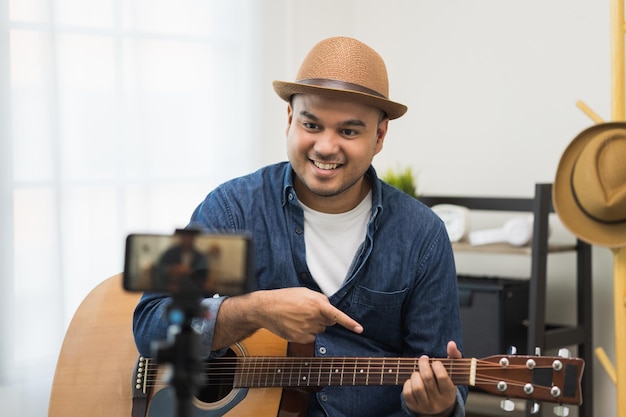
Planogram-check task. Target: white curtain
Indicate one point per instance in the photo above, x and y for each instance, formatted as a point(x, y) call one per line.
point(116, 116)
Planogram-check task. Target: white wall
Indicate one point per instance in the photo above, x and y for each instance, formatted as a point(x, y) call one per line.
point(491, 87)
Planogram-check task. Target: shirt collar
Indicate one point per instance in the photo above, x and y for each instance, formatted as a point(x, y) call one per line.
point(377, 200)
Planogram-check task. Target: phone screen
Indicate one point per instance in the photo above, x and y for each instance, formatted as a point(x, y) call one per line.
point(188, 261)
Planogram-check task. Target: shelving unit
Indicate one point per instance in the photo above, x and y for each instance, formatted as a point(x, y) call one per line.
point(539, 333)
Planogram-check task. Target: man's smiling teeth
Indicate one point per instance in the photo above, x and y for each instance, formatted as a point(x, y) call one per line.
point(325, 166)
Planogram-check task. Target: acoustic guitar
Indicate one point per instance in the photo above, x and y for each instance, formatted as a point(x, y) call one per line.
point(98, 373)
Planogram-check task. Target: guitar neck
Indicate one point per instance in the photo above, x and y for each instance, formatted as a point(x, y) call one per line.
point(551, 379)
point(540, 378)
point(255, 372)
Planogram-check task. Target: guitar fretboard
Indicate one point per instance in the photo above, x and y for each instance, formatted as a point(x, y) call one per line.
point(255, 372)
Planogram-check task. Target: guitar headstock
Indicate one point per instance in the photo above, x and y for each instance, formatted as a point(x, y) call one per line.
point(538, 378)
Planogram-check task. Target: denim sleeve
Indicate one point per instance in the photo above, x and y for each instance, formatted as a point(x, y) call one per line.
point(150, 323)
point(459, 407)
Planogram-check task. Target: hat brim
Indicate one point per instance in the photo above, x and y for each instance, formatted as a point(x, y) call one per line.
point(286, 90)
point(612, 235)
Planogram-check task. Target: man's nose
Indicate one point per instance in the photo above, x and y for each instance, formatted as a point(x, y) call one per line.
point(327, 143)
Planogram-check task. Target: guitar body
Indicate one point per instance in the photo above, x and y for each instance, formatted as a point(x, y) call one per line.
point(94, 373)
point(95, 365)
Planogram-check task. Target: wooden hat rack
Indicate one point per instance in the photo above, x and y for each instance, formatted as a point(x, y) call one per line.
point(616, 372)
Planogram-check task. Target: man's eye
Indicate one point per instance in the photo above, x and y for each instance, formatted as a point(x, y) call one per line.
point(348, 132)
point(310, 125)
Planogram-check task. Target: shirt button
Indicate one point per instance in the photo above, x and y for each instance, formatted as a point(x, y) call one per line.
point(298, 231)
point(324, 397)
point(290, 196)
point(322, 350)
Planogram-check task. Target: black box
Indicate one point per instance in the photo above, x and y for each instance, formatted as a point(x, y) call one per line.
point(494, 313)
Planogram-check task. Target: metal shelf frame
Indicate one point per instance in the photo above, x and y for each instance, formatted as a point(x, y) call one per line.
point(539, 334)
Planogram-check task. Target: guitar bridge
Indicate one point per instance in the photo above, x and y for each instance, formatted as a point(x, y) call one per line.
point(140, 376)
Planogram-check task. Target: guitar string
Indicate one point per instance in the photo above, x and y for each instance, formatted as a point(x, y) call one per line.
point(479, 382)
point(514, 389)
point(347, 364)
point(260, 379)
point(322, 374)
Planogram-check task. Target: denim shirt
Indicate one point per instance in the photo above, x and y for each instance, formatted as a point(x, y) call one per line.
point(401, 285)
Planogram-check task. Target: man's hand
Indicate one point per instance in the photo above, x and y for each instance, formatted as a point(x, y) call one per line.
point(298, 314)
point(295, 314)
point(430, 392)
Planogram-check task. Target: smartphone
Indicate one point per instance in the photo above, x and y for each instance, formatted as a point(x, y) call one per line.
point(207, 264)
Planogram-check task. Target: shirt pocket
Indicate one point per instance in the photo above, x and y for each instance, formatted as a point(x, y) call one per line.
point(380, 314)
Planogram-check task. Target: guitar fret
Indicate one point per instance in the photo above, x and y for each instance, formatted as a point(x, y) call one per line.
point(271, 370)
point(297, 375)
point(250, 373)
point(397, 371)
point(258, 367)
point(281, 372)
point(262, 374)
point(267, 372)
point(361, 369)
point(319, 373)
point(289, 374)
point(343, 367)
point(329, 372)
point(244, 372)
point(334, 377)
point(278, 373)
point(300, 378)
point(253, 373)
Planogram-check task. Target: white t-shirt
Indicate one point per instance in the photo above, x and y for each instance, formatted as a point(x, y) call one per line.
point(331, 242)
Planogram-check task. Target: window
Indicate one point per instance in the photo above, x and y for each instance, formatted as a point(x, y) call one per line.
point(115, 115)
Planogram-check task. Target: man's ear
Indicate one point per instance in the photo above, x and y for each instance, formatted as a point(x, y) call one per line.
point(289, 117)
point(381, 133)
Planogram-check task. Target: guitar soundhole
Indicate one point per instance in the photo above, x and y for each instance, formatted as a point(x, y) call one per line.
point(218, 381)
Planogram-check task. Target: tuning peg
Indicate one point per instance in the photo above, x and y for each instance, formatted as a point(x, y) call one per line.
point(507, 405)
point(512, 350)
point(534, 407)
point(561, 411)
point(565, 353)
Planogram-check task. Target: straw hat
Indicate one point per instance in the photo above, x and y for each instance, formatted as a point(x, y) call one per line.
point(589, 191)
point(345, 69)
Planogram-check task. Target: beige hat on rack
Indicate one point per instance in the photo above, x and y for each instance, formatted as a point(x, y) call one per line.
point(345, 69)
point(589, 191)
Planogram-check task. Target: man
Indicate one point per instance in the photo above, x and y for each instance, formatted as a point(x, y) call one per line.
point(181, 265)
point(342, 260)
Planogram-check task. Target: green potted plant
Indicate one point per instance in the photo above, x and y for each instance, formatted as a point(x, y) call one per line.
point(402, 179)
